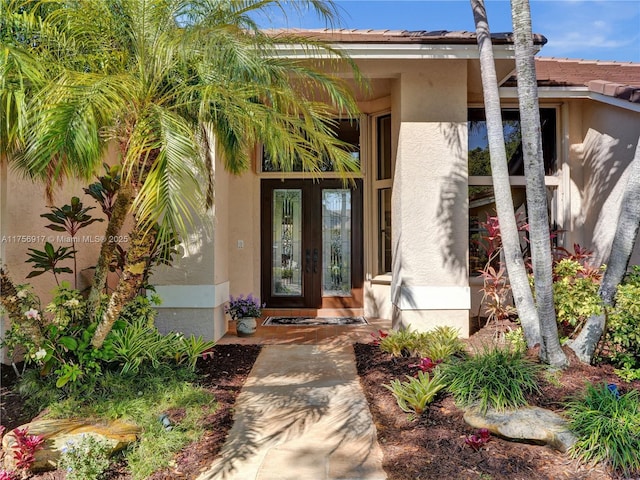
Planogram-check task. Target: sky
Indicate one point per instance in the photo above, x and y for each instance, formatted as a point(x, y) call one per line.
point(586, 29)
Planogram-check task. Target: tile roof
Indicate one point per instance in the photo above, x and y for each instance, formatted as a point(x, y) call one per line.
point(613, 79)
point(346, 35)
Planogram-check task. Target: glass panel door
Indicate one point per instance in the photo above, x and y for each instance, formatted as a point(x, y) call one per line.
point(336, 242)
point(311, 244)
point(287, 242)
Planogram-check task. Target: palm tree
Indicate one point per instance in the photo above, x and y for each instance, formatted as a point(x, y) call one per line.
point(536, 191)
point(518, 278)
point(161, 79)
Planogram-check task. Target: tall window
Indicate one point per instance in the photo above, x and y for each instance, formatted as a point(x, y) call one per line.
point(481, 198)
point(346, 130)
point(382, 186)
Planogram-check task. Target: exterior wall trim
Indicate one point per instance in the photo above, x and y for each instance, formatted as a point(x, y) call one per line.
point(433, 298)
point(193, 296)
point(378, 51)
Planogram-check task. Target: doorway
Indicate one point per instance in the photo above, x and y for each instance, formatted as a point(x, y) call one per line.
point(311, 243)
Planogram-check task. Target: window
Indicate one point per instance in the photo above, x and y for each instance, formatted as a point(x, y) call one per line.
point(382, 185)
point(345, 130)
point(481, 199)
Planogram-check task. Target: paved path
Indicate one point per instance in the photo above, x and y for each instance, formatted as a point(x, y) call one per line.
point(301, 416)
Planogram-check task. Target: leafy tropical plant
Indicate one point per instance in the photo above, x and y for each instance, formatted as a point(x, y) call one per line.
point(25, 447)
point(105, 189)
point(47, 260)
point(399, 342)
point(608, 427)
point(496, 378)
point(70, 219)
point(441, 343)
point(416, 393)
point(437, 344)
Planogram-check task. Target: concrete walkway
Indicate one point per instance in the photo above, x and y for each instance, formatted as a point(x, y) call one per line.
point(301, 416)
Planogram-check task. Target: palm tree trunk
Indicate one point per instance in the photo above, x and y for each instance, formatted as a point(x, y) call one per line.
point(121, 207)
point(623, 242)
point(129, 285)
point(518, 278)
point(550, 350)
point(9, 297)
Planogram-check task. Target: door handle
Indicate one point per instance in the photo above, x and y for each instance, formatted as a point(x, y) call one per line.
point(307, 261)
point(315, 260)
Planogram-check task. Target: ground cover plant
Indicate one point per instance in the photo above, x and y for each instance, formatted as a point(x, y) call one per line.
point(607, 423)
point(497, 377)
point(200, 414)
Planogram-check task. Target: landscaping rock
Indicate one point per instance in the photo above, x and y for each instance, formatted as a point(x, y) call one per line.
point(57, 433)
point(528, 424)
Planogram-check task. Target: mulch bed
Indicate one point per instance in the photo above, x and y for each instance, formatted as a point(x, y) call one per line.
point(430, 447)
point(433, 446)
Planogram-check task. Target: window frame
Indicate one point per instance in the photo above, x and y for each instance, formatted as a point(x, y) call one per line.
point(553, 182)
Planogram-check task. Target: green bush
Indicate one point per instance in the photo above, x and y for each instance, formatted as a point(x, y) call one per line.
point(575, 295)
point(497, 378)
point(623, 324)
point(608, 428)
point(416, 393)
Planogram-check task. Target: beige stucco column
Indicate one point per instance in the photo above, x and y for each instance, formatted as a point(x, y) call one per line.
point(430, 285)
point(194, 289)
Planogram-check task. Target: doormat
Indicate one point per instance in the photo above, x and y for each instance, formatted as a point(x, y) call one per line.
point(310, 321)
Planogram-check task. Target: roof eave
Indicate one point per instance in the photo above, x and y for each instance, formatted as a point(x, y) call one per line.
point(402, 51)
point(573, 93)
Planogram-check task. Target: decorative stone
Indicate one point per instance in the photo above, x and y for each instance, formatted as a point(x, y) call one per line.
point(527, 424)
point(57, 433)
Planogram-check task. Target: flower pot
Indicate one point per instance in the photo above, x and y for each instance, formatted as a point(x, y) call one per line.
point(246, 326)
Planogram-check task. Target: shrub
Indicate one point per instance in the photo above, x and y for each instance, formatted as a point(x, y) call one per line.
point(86, 460)
point(575, 294)
point(515, 339)
point(496, 378)
point(623, 325)
point(608, 427)
point(416, 393)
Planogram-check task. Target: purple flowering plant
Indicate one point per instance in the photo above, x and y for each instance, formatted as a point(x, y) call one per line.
point(241, 307)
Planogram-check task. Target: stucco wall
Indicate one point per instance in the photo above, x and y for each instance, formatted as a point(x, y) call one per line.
point(23, 228)
point(196, 286)
point(607, 143)
point(243, 249)
point(430, 278)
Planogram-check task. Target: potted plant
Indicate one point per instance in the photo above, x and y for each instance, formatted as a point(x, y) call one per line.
point(244, 310)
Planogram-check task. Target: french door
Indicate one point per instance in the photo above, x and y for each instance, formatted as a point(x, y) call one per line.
point(311, 243)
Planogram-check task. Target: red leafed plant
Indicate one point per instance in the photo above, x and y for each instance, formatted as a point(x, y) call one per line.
point(426, 364)
point(4, 475)
point(377, 336)
point(476, 441)
point(26, 447)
